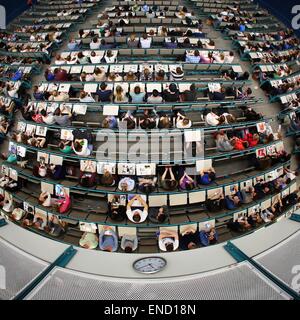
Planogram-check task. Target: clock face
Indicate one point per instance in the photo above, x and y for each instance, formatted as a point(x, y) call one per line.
point(150, 265)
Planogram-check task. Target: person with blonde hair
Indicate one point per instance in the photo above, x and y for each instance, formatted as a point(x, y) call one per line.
point(120, 95)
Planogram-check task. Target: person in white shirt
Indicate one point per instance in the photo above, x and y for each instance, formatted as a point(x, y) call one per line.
point(229, 58)
point(182, 122)
point(138, 214)
point(168, 240)
point(212, 119)
point(81, 147)
point(85, 97)
point(145, 42)
point(95, 44)
point(210, 45)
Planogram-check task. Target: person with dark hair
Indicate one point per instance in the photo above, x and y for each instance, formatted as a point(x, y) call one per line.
point(171, 95)
point(168, 181)
point(208, 236)
point(185, 182)
point(137, 96)
point(104, 94)
point(139, 213)
point(116, 209)
point(206, 177)
point(172, 44)
point(159, 215)
point(168, 240)
point(190, 95)
point(63, 120)
point(129, 243)
point(155, 97)
point(189, 239)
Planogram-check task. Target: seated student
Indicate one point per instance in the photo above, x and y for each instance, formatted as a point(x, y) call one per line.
point(28, 217)
point(212, 119)
point(182, 122)
point(116, 210)
point(86, 97)
point(147, 184)
point(168, 240)
point(89, 240)
point(61, 119)
point(108, 240)
point(114, 77)
point(215, 202)
point(88, 175)
point(45, 199)
point(159, 215)
point(172, 94)
point(168, 181)
point(40, 170)
point(129, 243)
point(58, 96)
point(109, 57)
point(47, 118)
point(73, 45)
point(104, 94)
point(148, 120)
point(210, 45)
point(65, 146)
point(109, 122)
point(126, 184)
point(222, 142)
point(217, 96)
point(208, 236)
point(164, 122)
point(190, 95)
point(206, 177)
point(95, 44)
point(128, 120)
point(150, 14)
point(63, 204)
point(160, 75)
point(189, 239)
point(195, 58)
point(120, 96)
point(186, 182)
point(82, 59)
point(137, 96)
point(232, 201)
point(56, 172)
point(137, 214)
point(177, 74)
point(154, 97)
point(132, 42)
point(60, 75)
point(130, 76)
point(55, 227)
point(99, 75)
point(82, 146)
point(145, 42)
point(146, 75)
point(172, 44)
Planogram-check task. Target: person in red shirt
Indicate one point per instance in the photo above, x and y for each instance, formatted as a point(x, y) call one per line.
point(60, 75)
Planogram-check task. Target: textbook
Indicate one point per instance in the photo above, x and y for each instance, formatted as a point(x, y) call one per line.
point(66, 134)
point(43, 157)
point(47, 187)
point(56, 160)
point(110, 110)
point(88, 227)
point(80, 109)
